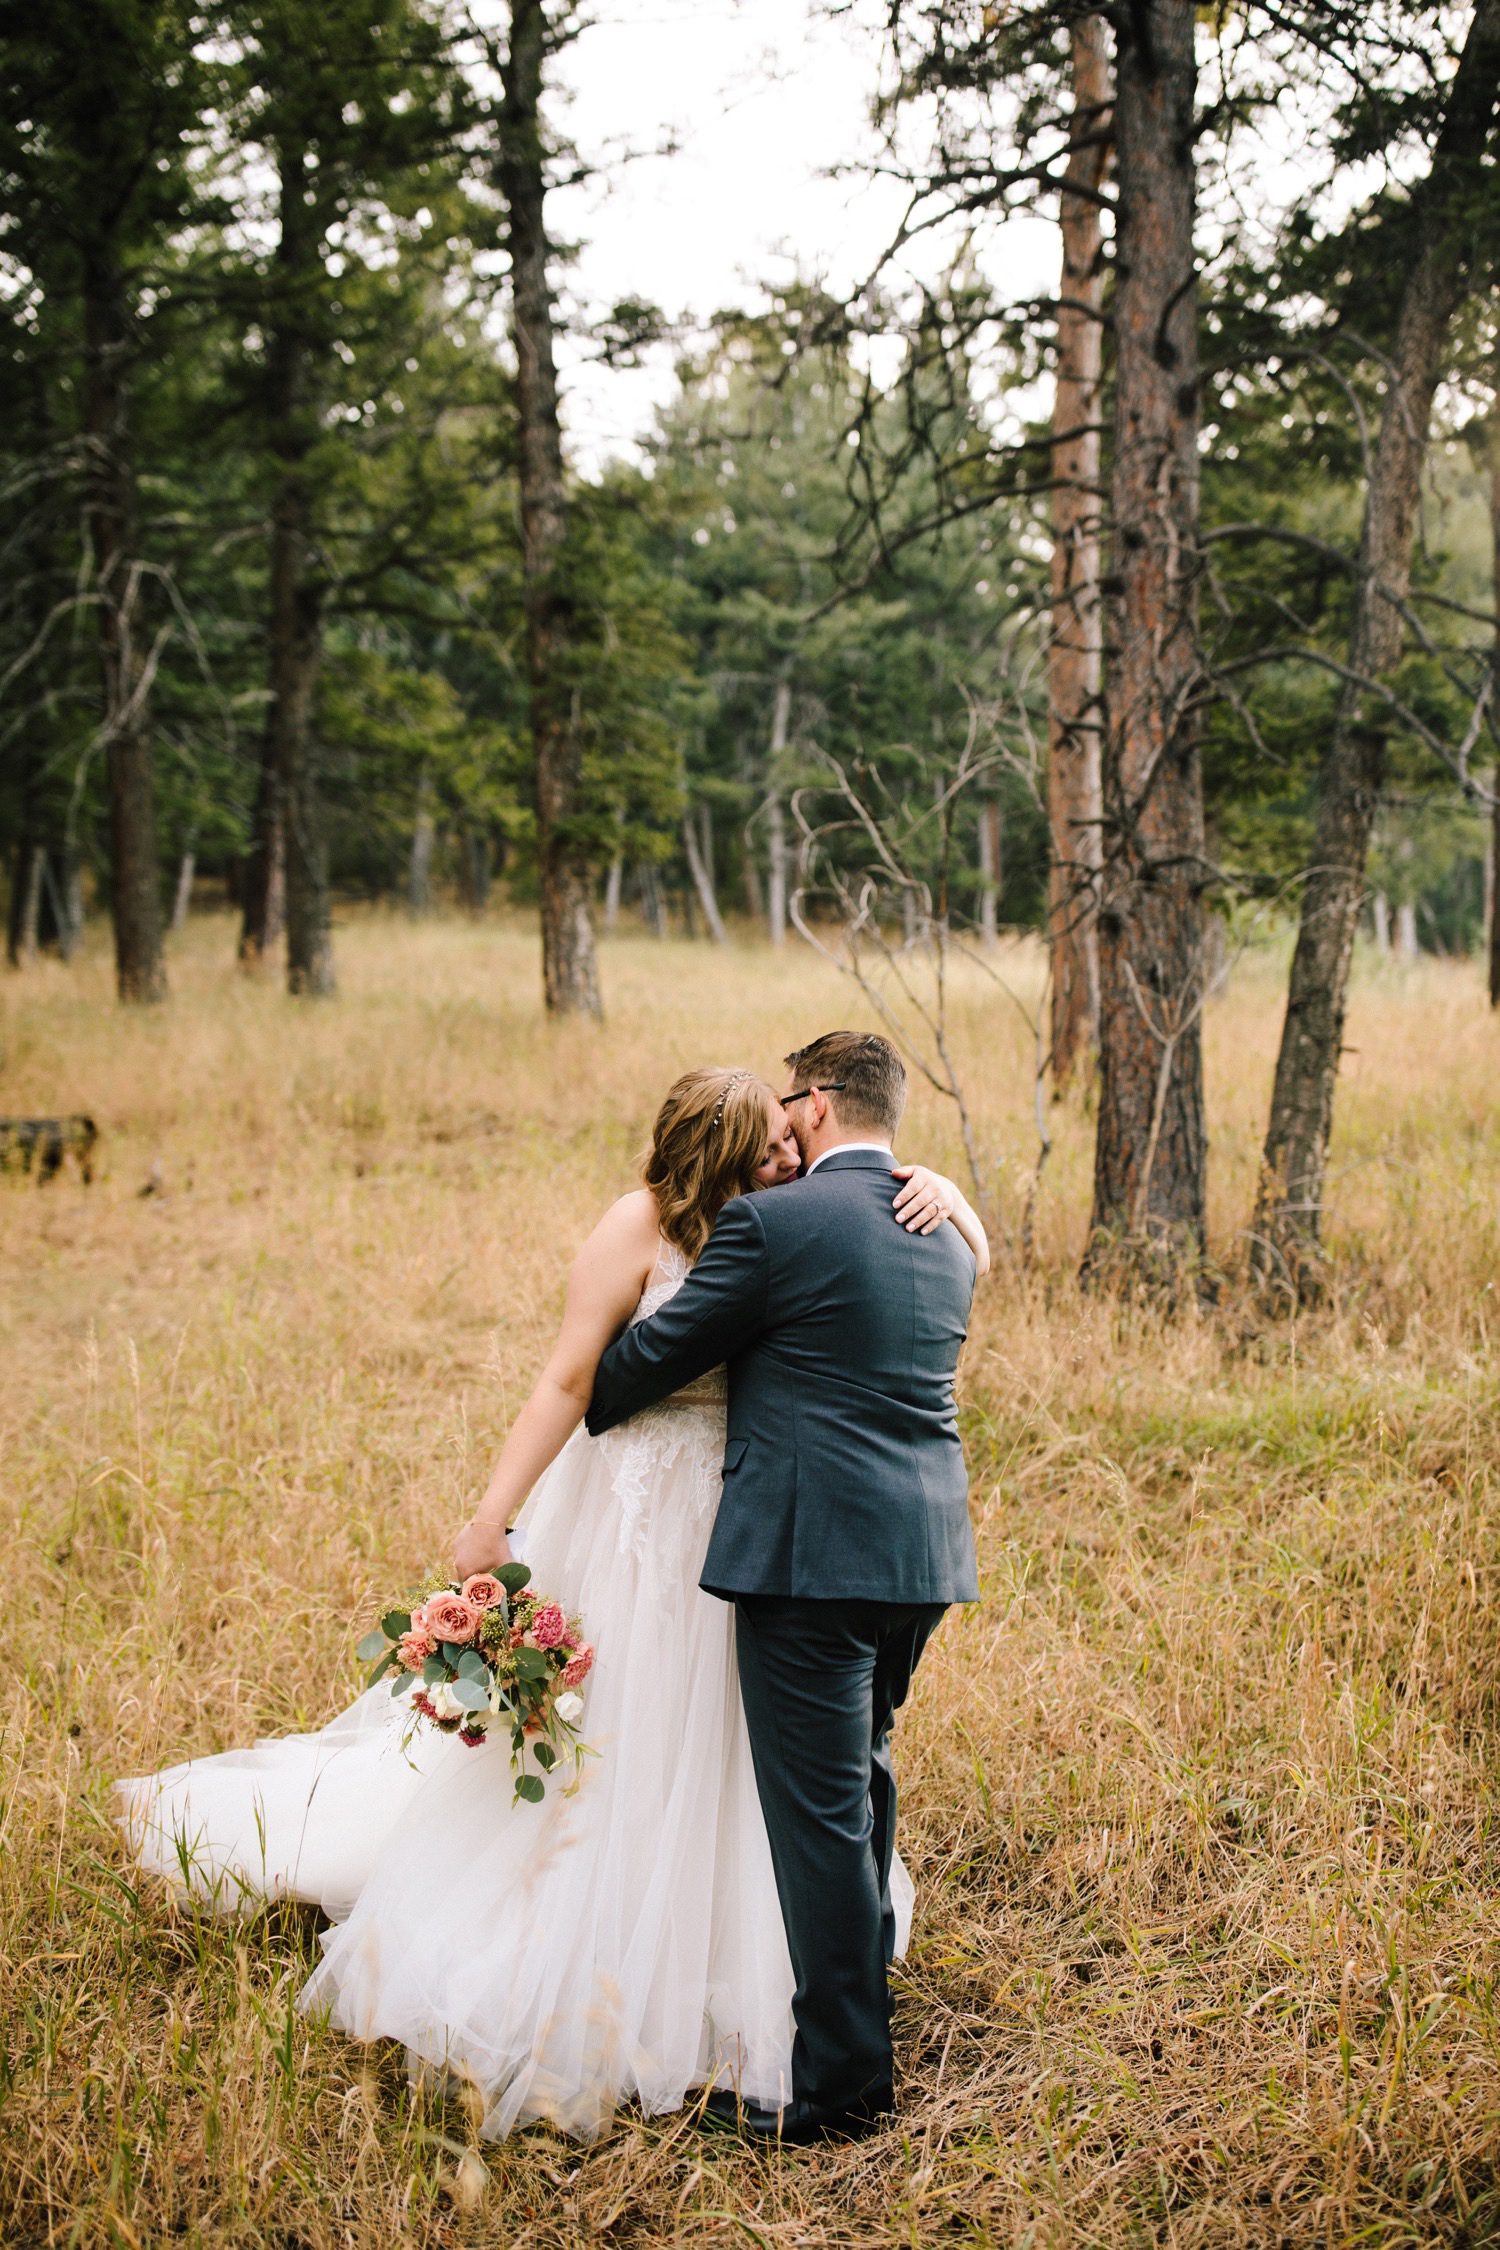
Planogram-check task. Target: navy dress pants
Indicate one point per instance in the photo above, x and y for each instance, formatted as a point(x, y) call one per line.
point(822, 1682)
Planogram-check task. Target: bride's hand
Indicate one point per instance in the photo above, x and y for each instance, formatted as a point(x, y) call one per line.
point(926, 1200)
point(479, 1546)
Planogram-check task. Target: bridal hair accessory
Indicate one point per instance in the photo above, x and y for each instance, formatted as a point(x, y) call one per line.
point(735, 1079)
point(490, 1655)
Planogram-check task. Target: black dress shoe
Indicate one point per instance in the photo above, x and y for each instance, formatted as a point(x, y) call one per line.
point(801, 2123)
point(725, 2107)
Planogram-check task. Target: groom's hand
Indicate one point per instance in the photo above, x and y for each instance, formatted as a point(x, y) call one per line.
point(479, 1546)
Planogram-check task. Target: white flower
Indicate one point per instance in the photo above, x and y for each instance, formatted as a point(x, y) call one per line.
point(444, 1702)
point(569, 1707)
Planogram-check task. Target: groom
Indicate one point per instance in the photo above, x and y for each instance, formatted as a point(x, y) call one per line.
point(842, 1535)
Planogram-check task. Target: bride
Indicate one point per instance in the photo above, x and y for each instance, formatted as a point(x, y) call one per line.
point(622, 1940)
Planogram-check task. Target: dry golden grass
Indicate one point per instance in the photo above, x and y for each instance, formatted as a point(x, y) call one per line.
point(1200, 1800)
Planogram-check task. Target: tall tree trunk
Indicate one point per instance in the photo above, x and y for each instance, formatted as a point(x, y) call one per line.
point(1407, 945)
point(1150, 1149)
point(777, 853)
point(183, 897)
point(70, 931)
point(23, 923)
point(295, 620)
point(475, 862)
point(570, 970)
point(1380, 912)
point(423, 844)
point(1290, 1199)
point(755, 904)
point(263, 869)
point(698, 843)
point(991, 869)
point(296, 661)
point(1075, 657)
point(613, 883)
point(26, 903)
point(653, 907)
point(135, 876)
point(42, 828)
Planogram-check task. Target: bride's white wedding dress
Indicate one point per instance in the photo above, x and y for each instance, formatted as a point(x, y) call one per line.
point(623, 1942)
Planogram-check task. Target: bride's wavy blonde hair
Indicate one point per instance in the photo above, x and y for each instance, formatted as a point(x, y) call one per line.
point(709, 1136)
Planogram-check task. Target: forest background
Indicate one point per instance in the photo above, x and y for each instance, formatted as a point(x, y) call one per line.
point(869, 630)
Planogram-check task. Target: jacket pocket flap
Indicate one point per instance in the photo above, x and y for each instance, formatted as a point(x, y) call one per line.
point(734, 1453)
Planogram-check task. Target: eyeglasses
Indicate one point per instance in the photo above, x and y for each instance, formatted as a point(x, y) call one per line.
point(834, 1086)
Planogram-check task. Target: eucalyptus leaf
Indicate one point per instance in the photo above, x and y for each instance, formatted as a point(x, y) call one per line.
point(434, 1670)
point(469, 1695)
point(452, 1653)
point(531, 1664)
point(532, 1788)
point(546, 1756)
point(396, 1622)
point(382, 1667)
point(398, 1685)
point(372, 1645)
point(513, 1576)
point(471, 1666)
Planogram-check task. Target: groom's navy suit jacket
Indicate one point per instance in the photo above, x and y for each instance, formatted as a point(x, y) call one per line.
point(843, 1472)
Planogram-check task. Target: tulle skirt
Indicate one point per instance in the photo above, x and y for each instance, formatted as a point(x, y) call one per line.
point(621, 1940)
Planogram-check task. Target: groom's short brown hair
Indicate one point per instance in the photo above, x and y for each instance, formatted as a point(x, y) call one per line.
point(869, 1073)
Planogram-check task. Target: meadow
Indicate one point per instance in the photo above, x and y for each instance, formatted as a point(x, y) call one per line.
point(1200, 1799)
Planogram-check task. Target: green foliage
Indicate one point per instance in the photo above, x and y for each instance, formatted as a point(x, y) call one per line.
point(891, 654)
point(873, 552)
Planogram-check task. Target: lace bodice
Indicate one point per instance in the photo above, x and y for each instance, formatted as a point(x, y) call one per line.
point(665, 1279)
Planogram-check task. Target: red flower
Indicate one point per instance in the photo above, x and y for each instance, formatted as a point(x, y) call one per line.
point(549, 1626)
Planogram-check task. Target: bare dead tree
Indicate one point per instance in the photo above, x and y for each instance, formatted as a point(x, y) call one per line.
point(698, 845)
point(871, 894)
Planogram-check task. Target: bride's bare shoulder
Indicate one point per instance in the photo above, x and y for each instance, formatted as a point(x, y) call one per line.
point(629, 1226)
point(637, 1212)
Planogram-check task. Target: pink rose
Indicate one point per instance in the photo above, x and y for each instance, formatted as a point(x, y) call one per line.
point(449, 1617)
point(575, 1673)
point(549, 1625)
point(484, 1589)
point(415, 1649)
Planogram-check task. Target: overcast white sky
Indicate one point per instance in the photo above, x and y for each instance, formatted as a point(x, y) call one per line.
point(766, 99)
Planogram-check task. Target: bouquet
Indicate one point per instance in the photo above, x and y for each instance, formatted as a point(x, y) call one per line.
point(491, 1655)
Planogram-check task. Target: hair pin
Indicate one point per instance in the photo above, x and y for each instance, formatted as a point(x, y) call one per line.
point(735, 1078)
